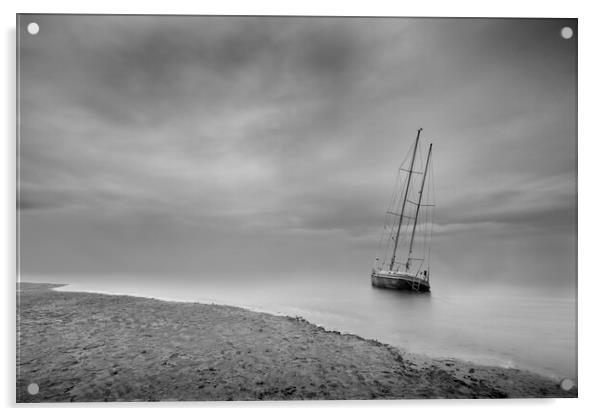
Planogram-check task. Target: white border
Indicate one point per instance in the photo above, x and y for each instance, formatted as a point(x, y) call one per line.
point(590, 289)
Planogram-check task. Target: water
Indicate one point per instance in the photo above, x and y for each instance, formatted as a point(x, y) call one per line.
point(486, 325)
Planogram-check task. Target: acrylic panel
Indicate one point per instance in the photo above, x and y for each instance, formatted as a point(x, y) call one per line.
point(219, 208)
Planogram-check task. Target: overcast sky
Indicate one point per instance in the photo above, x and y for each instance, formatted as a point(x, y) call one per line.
point(209, 145)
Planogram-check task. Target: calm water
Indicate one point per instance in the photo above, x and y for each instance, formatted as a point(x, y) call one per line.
point(487, 325)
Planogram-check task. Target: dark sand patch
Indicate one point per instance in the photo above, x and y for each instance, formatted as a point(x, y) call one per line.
point(94, 347)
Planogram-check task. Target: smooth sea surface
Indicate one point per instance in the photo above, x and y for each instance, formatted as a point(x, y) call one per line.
point(487, 325)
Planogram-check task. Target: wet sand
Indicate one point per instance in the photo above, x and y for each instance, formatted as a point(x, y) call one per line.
point(86, 347)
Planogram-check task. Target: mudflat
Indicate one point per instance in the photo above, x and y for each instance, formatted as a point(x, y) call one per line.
point(87, 347)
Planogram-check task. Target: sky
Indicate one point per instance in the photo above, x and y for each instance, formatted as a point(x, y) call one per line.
point(215, 146)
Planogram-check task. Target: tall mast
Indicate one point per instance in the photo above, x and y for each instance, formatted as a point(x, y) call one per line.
point(405, 197)
point(426, 168)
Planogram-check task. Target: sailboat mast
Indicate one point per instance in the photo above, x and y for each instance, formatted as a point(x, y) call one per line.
point(405, 197)
point(426, 167)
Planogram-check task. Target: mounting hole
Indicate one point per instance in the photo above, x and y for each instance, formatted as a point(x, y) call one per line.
point(33, 28)
point(566, 32)
point(33, 388)
point(567, 384)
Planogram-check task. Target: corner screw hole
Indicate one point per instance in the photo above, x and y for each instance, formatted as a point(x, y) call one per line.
point(566, 32)
point(33, 389)
point(567, 384)
point(33, 28)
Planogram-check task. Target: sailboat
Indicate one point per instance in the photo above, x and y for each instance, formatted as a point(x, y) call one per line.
point(405, 241)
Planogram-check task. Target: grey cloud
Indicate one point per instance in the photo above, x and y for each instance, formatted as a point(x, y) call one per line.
point(269, 126)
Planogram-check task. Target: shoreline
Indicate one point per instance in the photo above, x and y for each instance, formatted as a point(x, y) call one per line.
point(488, 361)
point(200, 351)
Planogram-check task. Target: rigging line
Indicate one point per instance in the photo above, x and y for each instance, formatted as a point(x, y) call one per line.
point(384, 235)
point(393, 202)
point(392, 198)
point(396, 197)
point(405, 159)
point(423, 219)
point(401, 188)
point(432, 183)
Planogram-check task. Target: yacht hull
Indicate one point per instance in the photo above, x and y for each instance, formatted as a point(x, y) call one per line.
point(399, 281)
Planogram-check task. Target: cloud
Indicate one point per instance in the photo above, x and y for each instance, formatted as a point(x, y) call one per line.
point(279, 126)
point(39, 199)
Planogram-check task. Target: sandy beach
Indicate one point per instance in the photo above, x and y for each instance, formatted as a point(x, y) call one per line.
point(86, 347)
